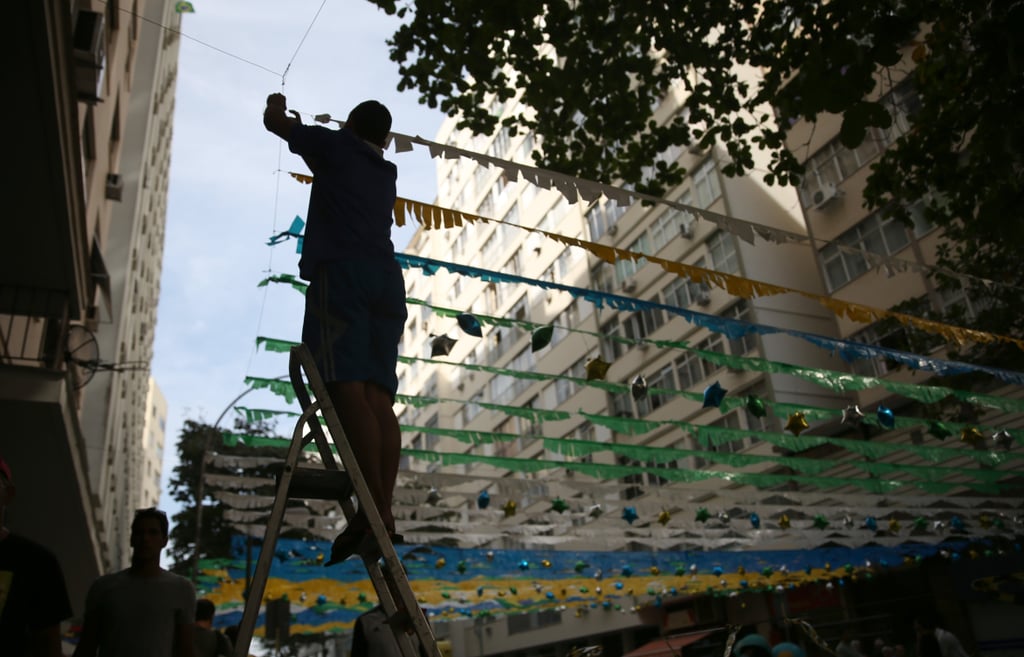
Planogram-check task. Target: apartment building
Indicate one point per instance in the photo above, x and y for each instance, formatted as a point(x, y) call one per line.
point(850, 254)
point(593, 521)
point(79, 268)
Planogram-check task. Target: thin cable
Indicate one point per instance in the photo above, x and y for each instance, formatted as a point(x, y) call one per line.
point(277, 191)
point(302, 41)
point(202, 43)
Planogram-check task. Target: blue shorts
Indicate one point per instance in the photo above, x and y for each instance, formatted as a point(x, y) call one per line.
point(355, 314)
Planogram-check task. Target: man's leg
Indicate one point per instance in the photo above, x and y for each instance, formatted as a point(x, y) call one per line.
point(390, 438)
point(364, 435)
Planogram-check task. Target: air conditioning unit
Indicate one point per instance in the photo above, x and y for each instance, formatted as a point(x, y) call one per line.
point(613, 230)
point(686, 229)
point(629, 286)
point(115, 186)
point(825, 195)
point(703, 297)
point(88, 43)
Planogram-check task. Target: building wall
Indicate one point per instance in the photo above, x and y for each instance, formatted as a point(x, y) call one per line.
point(116, 402)
point(153, 441)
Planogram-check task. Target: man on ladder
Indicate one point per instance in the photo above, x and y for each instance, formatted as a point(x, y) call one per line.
point(355, 304)
point(355, 314)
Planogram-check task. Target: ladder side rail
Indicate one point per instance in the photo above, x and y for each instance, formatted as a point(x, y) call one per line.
point(316, 431)
point(386, 598)
point(258, 584)
point(366, 502)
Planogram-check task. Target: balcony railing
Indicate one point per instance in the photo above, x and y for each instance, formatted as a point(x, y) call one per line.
point(33, 324)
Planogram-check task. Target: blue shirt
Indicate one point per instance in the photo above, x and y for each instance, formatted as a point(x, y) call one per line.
point(352, 201)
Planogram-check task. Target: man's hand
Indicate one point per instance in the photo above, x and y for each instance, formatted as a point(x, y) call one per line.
point(274, 118)
point(277, 100)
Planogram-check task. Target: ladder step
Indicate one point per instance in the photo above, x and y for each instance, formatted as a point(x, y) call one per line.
point(319, 484)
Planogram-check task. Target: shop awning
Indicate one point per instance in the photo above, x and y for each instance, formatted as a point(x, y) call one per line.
point(667, 646)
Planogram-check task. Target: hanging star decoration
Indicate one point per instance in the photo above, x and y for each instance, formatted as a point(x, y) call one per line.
point(595, 511)
point(847, 521)
point(664, 517)
point(441, 345)
point(638, 387)
point(461, 567)
point(956, 523)
point(1002, 438)
point(894, 526)
point(469, 324)
point(871, 523)
point(541, 337)
point(702, 515)
point(985, 520)
point(820, 522)
point(886, 417)
point(852, 415)
point(920, 524)
point(971, 436)
point(483, 500)
point(713, 395)
point(559, 505)
point(784, 521)
point(629, 514)
point(755, 406)
point(509, 508)
point(596, 369)
point(755, 521)
point(797, 423)
point(723, 517)
point(433, 496)
point(939, 430)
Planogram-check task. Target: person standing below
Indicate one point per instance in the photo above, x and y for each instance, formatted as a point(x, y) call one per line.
point(144, 609)
point(33, 596)
point(209, 642)
point(355, 304)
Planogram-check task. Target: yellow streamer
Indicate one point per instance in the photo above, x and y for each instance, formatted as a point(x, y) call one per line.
point(433, 217)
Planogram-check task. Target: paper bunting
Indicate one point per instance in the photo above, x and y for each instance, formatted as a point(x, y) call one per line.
point(886, 418)
point(755, 406)
point(541, 337)
point(852, 415)
point(470, 324)
point(732, 328)
point(797, 423)
point(596, 369)
point(638, 388)
point(713, 395)
point(441, 345)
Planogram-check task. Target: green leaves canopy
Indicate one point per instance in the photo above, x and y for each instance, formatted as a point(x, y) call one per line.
point(592, 71)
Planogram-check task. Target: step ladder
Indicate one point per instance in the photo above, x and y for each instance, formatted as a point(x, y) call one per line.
point(396, 597)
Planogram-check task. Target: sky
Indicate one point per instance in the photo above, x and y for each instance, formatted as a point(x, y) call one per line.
point(227, 196)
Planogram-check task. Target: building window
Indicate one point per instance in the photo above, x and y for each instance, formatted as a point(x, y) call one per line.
point(834, 163)
point(723, 253)
point(740, 311)
point(602, 216)
point(713, 343)
point(730, 421)
point(844, 259)
point(689, 370)
point(705, 183)
point(611, 348)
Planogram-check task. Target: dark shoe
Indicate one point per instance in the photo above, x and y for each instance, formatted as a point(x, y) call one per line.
point(347, 543)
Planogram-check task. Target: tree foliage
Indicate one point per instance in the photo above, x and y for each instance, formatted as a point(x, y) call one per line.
point(196, 440)
point(592, 69)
